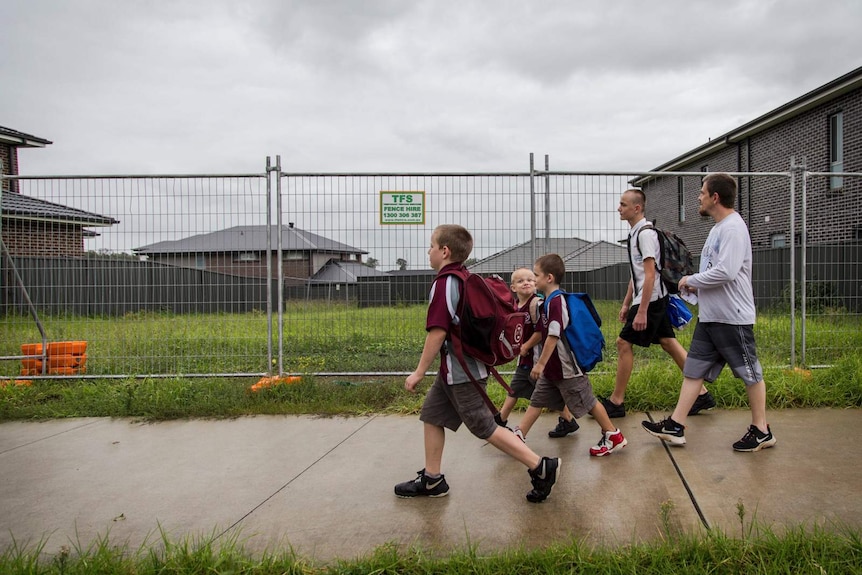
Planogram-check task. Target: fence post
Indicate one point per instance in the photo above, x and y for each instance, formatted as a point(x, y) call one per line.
point(279, 264)
point(547, 199)
point(532, 210)
point(268, 265)
point(803, 261)
point(793, 171)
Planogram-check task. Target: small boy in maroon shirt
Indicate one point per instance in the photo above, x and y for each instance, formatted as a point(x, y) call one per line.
point(560, 381)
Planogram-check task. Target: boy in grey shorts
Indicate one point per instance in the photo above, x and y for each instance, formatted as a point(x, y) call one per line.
point(453, 399)
point(560, 382)
point(522, 385)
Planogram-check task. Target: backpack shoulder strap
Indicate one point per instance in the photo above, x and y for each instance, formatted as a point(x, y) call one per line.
point(648, 224)
point(548, 299)
point(636, 238)
point(463, 273)
point(533, 309)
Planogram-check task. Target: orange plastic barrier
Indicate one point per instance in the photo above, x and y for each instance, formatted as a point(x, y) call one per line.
point(20, 382)
point(64, 358)
point(275, 380)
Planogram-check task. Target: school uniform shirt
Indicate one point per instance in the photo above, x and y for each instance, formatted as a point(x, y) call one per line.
point(442, 312)
point(561, 365)
point(650, 248)
point(724, 291)
point(527, 361)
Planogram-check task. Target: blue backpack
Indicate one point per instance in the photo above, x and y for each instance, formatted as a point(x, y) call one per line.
point(583, 334)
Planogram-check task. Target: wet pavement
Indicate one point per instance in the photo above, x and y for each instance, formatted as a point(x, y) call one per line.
point(324, 486)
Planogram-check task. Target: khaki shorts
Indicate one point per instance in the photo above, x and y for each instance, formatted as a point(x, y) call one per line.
point(575, 393)
point(451, 405)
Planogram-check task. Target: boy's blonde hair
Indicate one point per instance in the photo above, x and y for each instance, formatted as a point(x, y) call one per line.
point(456, 238)
point(552, 264)
point(521, 271)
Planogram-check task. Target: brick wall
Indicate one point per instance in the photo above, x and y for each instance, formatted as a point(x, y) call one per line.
point(9, 162)
point(764, 202)
point(25, 238)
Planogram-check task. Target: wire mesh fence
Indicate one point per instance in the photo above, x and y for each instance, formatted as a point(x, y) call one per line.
point(199, 275)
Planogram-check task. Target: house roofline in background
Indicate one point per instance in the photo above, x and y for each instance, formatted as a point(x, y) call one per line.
point(21, 140)
point(812, 99)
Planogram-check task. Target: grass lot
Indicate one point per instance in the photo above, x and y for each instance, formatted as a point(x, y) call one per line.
point(338, 338)
point(342, 339)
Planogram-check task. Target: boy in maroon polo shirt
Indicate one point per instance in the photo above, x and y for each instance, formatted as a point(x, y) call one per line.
point(560, 381)
point(453, 399)
point(523, 386)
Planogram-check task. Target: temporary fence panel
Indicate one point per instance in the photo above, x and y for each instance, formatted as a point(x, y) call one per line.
point(160, 275)
point(830, 267)
point(167, 275)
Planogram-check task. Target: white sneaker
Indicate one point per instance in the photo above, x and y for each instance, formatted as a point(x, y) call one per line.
point(519, 434)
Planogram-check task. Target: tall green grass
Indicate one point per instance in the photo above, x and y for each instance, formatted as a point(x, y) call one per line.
point(336, 337)
point(759, 551)
point(343, 339)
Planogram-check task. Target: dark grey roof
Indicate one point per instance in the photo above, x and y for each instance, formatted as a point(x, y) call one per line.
point(22, 140)
point(249, 239)
point(594, 256)
point(336, 271)
point(20, 206)
point(425, 272)
point(579, 255)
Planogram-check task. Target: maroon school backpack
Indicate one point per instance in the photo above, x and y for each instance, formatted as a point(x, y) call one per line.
point(490, 328)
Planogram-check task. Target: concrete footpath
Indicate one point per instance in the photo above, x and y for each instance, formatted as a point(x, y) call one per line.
point(324, 486)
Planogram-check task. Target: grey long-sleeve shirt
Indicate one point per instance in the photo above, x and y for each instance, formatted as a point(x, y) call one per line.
point(724, 291)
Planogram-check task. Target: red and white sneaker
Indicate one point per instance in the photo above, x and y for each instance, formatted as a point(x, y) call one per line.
point(610, 442)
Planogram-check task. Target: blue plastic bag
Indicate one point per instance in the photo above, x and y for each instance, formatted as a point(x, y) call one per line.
point(677, 312)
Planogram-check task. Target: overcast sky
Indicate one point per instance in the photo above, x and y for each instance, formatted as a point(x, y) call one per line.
point(198, 86)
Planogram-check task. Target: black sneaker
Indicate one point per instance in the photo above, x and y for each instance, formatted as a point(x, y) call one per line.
point(564, 428)
point(702, 403)
point(612, 408)
point(755, 440)
point(423, 486)
point(667, 429)
point(543, 478)
point(500, 421)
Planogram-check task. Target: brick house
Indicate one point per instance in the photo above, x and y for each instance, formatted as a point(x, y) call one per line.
point(242, 250)
point(823, 128)
point(34, 227)
point(10, 141)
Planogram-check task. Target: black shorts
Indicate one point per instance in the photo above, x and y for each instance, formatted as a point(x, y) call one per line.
point(658, 325)
point(522, 384)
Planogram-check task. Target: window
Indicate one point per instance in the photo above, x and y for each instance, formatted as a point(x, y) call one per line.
point(680, 198)
point(778, 240)
point(295, 256)
point(836, 149)
point(248, 257)
point(200, 262)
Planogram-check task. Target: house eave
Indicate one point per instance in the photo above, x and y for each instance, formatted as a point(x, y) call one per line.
point(65, 221)
point(800, 105)
point(21, 140)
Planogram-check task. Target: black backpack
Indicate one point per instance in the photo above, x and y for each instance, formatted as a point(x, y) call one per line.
point(676, 258)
